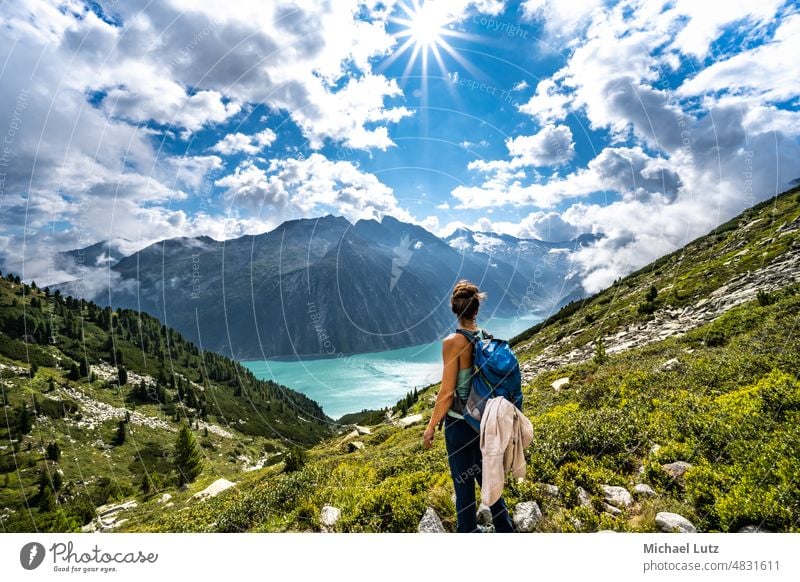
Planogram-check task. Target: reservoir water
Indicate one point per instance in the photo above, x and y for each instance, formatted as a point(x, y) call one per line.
point(373, 380)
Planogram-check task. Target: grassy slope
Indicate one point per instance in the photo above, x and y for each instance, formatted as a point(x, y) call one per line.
point(94, 472)
point(730, 406)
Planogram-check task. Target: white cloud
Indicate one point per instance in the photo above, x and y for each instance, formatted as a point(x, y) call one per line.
point(770, 71)
point(291, 187)
point(562, 19)
point(235, 143)
point(548, 104)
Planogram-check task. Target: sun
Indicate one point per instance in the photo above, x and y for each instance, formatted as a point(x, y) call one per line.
point(424, 29)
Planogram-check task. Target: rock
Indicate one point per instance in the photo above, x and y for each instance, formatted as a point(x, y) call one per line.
point(363, 429)
point(677, 470)
point(351, 435)
point(409, 420)
point(527, 516)
point(164, 498)
point(184, 487)
point(654, 449)
point(618, 496)
point(430, 523)
point(328, 516)
point(672, 522)
point(214, 489)
point(608, 508)
point(484, 515)
point(669, 365)
point(584, 499)
point(644, 490)
point(549, 490)
point(753, 529)
point(560, 383)
point(105, 511)
point(355, 446)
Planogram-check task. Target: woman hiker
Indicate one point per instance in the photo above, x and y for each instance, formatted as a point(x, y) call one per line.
point(461, 440)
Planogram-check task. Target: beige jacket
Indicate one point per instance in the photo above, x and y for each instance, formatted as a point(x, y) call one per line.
point(505, 432)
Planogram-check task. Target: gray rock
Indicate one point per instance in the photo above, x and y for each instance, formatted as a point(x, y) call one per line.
point(355, 446)
point(644, 490)
point(677, 470)
point(527, 516)
point(328, 516)
point(753, 529)
point(669, 365)
point(608, 508)
point(164, 498)
point(584, 499)
point(430, 523)
point(672, 522)
point(409, 420)
point(618, 496)
point(484, 515)
point(549, 490)
point(560, 383)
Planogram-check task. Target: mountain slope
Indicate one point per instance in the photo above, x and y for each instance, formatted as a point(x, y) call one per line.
point(109, 390)
point(702, 419)
point(316, 287)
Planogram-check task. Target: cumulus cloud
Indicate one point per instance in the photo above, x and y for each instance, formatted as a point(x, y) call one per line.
point(694, 155)
point(235, 143)
point(310, 186)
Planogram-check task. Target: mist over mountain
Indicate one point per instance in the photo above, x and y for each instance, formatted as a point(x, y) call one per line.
point(326, 287)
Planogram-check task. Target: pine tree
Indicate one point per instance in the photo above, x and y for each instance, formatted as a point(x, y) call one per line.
point(188, 462)
point(123, 375)
point(24, 422)
point(119, 437)
point(53, 452)
point(74, 372)
point(83, 368)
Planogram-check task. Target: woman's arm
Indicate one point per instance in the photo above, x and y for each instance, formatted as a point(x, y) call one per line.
point(445, 396)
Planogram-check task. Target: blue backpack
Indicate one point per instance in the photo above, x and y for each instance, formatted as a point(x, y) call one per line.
point(495, 372)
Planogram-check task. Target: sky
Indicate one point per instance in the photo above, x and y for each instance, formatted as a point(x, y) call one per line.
point(648, 121)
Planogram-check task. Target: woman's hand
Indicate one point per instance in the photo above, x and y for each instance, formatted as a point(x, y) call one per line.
point(427, 437)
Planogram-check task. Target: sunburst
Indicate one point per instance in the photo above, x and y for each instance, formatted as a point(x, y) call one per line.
point(425, 28)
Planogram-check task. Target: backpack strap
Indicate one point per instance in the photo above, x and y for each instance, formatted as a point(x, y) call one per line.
point(472, 337)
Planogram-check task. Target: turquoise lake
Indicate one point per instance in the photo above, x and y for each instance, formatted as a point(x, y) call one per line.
point(373, 380)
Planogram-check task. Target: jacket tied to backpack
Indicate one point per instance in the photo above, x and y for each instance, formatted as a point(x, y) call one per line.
point(505, 432)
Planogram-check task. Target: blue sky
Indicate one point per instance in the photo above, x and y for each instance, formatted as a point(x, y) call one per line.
point(649, 121)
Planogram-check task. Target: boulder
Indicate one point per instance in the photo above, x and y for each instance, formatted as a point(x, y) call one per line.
point(328, 516)
point(644, 490)
point(527, 516)
point(363, 429)
point(753, 529)
point(430, 523)
point(617, 496)
point(105, 511)
point(608, 508)
point(677, 470)
point(214, 489)
point(164, 498)
point(351, 435)
point(672, 522)
point(670, 365)
point(409, 420)
point(484, 515)
point(584, 499)
point(355, 446)
point(549, 490)
point(560, 383)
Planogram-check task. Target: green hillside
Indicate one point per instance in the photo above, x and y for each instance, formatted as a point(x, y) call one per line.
point(93, 399)
point(682, 377)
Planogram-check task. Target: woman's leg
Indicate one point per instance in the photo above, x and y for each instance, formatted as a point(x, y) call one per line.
point(500, 517)
point(460, 441)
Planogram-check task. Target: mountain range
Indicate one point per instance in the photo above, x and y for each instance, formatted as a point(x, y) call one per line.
point(323, 286)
